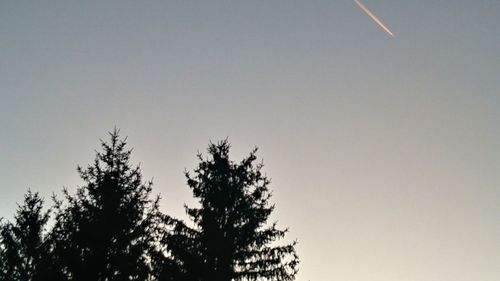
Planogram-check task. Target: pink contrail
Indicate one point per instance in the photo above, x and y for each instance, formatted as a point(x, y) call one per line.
point(379, 22)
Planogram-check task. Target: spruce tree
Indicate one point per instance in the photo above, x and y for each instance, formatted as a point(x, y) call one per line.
point(111, 228)
point(24, 244)
point(231, 238)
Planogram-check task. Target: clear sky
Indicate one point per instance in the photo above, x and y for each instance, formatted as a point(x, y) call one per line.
point(384, 152)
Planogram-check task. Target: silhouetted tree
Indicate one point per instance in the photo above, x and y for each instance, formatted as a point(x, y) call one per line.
point(24, 245)
point(110, 229)
point(231, 239)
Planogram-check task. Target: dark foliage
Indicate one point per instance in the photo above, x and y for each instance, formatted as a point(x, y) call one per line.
point(110, 229)
point(24, 246)
point(231, 239)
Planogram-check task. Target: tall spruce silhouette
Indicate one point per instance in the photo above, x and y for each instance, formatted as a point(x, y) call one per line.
point(231, 239)
point(110, 229)
point(24, 244)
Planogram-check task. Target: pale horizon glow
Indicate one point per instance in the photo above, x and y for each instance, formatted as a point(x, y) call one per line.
point(375, 18)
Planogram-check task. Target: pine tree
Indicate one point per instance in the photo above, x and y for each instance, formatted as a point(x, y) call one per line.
point(231, 239)
point(110, 229)
point(24, 245)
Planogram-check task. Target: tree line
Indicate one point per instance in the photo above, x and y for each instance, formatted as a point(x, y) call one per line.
point(111, 228)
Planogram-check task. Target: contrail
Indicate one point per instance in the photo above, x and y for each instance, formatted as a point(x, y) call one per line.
point(379, 22)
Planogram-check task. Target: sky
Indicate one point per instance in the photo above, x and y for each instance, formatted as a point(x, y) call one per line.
point(384, 152)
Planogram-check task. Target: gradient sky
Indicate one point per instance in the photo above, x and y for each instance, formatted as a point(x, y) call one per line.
point(384, 152)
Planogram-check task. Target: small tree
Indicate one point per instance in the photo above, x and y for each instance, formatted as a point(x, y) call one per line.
point(110, 229)
point(231, 239)
point(24, 247)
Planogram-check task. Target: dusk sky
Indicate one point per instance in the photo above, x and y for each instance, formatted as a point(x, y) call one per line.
point(384, 152)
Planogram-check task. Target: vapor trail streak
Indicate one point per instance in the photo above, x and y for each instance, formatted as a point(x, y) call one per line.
point(374, 18)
